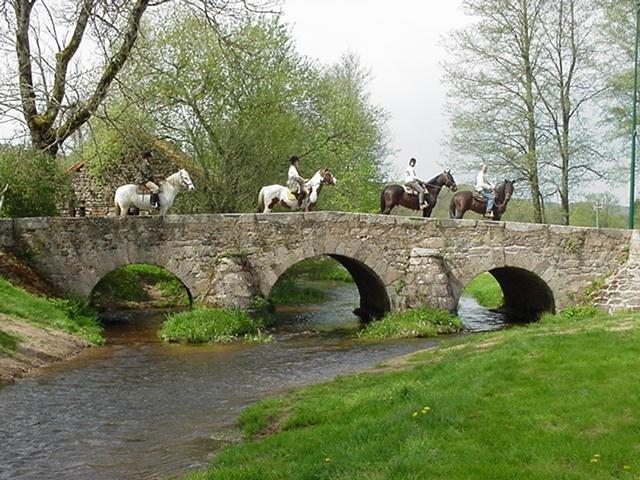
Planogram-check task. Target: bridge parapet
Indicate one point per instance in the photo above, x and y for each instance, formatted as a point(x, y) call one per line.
point(397, 262)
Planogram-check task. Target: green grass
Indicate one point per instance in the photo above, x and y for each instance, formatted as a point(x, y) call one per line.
point(212, 325)
point(8, 343)
point(320, 268)
point(131, 284)
point(486, 290)
point(554, 400)
point(293, 291)
point(72, 316)
point(417, 322)
point(296, 286)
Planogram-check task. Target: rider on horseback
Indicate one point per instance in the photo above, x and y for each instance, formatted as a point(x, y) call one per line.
point(295, 182)
point(486, 188)
point(412, 180)
point(145, 177)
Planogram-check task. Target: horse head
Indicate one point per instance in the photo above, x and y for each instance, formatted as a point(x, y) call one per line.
point(185, 180)
point(327, 177)
point(449, 182)
point(505, 191)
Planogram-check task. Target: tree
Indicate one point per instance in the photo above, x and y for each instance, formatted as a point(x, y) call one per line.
point(494, 104)
point(617, 30)
point(567, 84)
point(242, 113)
point(58, 89)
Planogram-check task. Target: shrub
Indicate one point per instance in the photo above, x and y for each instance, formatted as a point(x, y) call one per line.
point(417, 322)
point(204, 325)
point(36, 183)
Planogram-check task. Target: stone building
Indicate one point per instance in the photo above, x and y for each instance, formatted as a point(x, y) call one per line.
point(93, 192)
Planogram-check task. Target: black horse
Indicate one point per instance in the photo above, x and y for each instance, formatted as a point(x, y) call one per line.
point(394, 195)
point(466, 200)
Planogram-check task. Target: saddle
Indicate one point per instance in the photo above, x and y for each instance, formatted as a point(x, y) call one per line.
point(142, 189)
point(478, 197)
point(409, 190)
point(291, 196)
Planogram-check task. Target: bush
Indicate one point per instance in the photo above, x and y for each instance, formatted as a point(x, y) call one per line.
point(204, 325)
point(417, 322)
point(36, 183)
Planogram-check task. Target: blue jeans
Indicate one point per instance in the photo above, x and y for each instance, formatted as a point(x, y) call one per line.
point(489, 196)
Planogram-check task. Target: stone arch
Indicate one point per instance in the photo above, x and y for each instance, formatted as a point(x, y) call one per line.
point(375, 300)
point(103, 272)
point(525, 293)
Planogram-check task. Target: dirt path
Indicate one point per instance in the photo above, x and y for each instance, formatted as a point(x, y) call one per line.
point(37, 347)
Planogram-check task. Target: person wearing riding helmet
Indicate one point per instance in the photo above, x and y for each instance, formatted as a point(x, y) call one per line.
point(412, 180)
point(486, 188)
point(145, 177)
point(295, 182)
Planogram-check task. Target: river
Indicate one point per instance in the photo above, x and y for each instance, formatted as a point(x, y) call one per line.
point(140, 409)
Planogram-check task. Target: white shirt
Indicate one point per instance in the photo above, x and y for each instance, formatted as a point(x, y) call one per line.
point(410, 174)
point(483, 182)
point(293, 173)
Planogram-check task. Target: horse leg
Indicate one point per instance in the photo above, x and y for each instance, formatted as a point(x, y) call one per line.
point(124, 211)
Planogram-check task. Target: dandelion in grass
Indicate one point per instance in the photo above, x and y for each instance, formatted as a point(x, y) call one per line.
point(414, 414)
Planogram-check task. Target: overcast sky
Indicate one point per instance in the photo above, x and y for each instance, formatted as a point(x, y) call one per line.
point(400, 42)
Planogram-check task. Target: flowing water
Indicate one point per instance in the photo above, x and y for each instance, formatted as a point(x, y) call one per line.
point(140, 409)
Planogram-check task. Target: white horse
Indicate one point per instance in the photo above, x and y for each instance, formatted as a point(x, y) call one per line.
point(129, 195)
point(273, 195)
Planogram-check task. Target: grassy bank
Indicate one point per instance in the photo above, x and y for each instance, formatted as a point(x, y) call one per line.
point(556, 399)
point(296, 286)
point(212, 325)
point(138, 285)
point(414, 323)
point(8, 343)
point(486, 290)
point(72, 316)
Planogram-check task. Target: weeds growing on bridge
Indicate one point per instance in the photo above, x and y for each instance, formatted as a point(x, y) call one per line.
point(555, 399)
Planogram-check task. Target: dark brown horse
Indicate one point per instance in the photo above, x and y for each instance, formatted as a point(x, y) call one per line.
point(394, 195)
point(465, 200)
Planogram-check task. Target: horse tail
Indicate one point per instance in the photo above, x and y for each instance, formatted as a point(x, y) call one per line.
point(261, 201)
point(452, 207)
point(117, 209)
point(383, 203)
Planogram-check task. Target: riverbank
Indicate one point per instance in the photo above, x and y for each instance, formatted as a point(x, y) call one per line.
point(32, 347)
point(36, 330)
point(555, 399)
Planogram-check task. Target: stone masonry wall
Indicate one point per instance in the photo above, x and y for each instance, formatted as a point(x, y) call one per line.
point(398, 262)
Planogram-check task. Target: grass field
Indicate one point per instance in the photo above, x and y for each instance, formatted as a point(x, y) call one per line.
point(554, 400)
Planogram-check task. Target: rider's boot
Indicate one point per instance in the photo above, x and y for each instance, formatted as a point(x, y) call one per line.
point(421, 203)
point(155, 200)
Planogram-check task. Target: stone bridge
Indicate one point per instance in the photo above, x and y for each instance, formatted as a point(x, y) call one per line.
point(396, 262)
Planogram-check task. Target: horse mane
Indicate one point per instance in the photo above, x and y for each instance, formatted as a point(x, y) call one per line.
point(501, 188)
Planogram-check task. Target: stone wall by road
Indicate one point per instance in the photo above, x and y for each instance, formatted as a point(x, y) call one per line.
point(397, 262)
